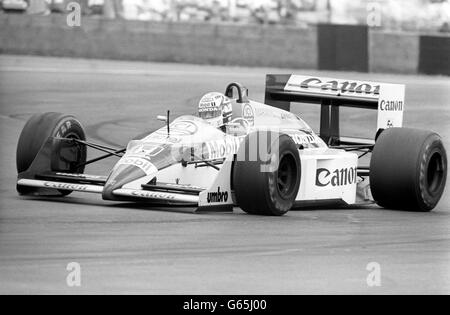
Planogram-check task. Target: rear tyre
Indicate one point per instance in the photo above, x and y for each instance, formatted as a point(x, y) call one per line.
point(408, 169)
point(269, 185)
point(36, 132)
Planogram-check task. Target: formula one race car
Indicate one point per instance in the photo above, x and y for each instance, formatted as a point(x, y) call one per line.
point(238, 152)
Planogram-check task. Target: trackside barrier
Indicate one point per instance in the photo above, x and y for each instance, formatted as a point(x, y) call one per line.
point(324, 47)
point(343, 47)
point(434, 55)
point(198, 43)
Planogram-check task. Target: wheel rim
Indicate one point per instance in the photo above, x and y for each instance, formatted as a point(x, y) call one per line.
point(435, 173)
point(286, 176)
point(73, 135)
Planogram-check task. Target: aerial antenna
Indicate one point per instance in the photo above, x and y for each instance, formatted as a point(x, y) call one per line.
point(168, 122)
point(166, 119)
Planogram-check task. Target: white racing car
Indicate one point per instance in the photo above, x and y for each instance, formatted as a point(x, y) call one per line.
point(259, 157)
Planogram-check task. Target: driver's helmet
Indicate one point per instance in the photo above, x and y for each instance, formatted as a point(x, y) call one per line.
point(215, 108)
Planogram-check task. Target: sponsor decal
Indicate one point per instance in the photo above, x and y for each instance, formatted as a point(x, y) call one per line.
point(391, 105)
point(208, 108)
point(337, 177)
point(147, 149)
point(304, 139)
point(212, 98)
point(332, 85)
point(65, 186)
point(217, 196)
point(64, 127)
point(248, 114)
point(220, 148)
point(150, 194)
point(138, 161)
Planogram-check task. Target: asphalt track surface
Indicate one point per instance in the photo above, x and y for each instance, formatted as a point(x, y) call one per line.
point(123, 248)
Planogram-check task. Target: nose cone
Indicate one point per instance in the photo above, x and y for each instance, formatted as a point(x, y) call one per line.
point(120, 176)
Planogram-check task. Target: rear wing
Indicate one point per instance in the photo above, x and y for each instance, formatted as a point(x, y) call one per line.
point(331, 94)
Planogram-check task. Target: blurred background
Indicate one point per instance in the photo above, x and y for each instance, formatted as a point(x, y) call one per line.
point(396, 15)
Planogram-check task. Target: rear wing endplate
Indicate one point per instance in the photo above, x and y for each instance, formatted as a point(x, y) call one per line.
point(387, 99)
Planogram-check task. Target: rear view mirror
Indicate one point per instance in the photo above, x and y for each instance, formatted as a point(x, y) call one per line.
point(162, 118)
point(165, 119)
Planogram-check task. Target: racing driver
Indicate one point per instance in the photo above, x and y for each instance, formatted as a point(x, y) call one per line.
point(216, 109)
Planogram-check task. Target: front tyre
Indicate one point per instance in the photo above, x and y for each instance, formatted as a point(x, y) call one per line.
point(36, 132)
point(408, 169)
point(266, 173)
